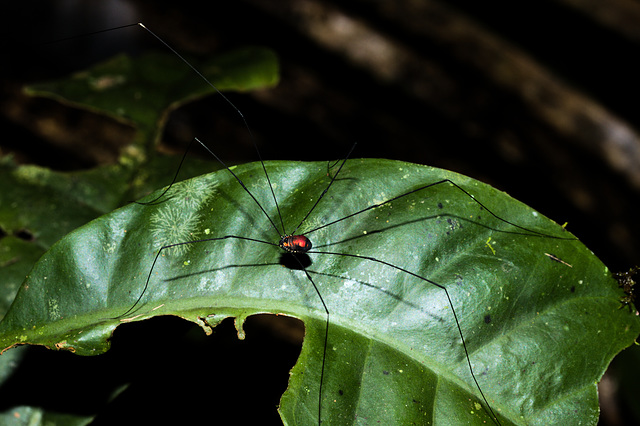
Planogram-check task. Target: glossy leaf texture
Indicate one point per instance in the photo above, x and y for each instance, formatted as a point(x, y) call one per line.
point(539, 313)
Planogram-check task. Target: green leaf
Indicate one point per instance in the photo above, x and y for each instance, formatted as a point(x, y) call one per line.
point(143, 91)
point(44, 205)
point(19, 416)
point(540, 314)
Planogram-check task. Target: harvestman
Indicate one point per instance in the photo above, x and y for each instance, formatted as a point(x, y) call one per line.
point(294, 243)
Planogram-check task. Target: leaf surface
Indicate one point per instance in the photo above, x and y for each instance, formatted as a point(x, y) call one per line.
point(540, 332)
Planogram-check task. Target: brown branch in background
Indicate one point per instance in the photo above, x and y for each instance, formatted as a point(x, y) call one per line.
point(621, 16)
point(568, 111)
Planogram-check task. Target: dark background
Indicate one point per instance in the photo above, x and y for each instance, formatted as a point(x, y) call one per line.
point(538, 98)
